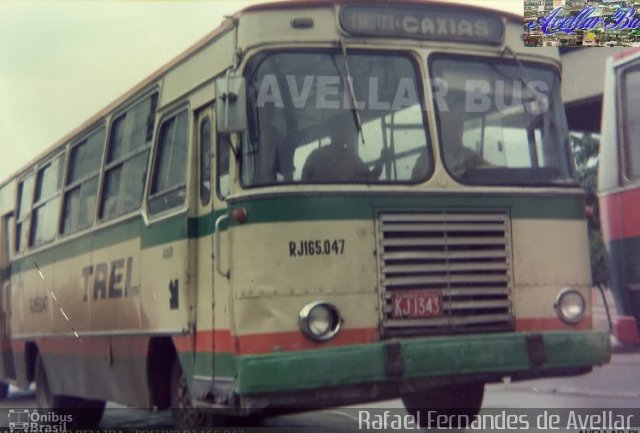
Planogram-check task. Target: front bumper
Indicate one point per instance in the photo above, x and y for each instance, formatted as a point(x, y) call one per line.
point(424, 360)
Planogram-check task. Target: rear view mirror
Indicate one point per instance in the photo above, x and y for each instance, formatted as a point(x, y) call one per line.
point(231, 104)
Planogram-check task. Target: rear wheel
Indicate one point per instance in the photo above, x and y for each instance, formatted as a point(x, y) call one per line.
point(452, 406)
point(84, 413)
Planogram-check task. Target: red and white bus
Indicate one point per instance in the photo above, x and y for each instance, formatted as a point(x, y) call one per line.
point(619, 188)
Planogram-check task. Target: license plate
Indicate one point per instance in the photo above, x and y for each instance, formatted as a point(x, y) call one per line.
point(416, 304)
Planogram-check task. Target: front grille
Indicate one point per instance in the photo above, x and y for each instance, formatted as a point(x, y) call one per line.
point(463, 256)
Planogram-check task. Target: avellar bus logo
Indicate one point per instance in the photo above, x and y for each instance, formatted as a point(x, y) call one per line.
point(558, 22)
point(35, 421)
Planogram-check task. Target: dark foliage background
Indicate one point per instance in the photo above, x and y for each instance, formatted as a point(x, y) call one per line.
point(585, 150)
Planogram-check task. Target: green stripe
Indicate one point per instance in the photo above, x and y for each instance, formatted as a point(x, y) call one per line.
point(203, 225)
point(224, 364)
point(323, 208)
point(421, 358)
point(299, 208)
point(94, 240)
point(169, 230)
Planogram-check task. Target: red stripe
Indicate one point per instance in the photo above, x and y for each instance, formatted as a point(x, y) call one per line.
point(18, 346)
point(5, 345)
point(275, 342)
point(117, 347)
point(204, 341)
point(136, 346)
point(626, 53)
point(551, 324)
point(293, 341)
point(619, 214)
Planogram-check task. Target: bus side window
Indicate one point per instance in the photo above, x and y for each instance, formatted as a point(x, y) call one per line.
point(7, 247)
point(205, 162)
point(127, 157)
point(25, 196)
point(168, 184)
point(631, 102)
point(82, 183)
point(223, 145)
point(46, 206)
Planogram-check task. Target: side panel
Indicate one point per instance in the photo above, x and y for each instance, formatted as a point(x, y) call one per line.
point(93, 303)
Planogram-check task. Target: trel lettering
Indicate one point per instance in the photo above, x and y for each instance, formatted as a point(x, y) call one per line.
point(109, 280)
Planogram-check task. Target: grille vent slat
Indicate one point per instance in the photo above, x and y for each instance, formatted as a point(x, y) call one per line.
point(451, 255)
point(455, 266)
point(424, 242)
point(465, 256)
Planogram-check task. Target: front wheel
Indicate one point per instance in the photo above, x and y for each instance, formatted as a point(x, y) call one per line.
point(83, 413)
point(185, 414)
point(453, 406)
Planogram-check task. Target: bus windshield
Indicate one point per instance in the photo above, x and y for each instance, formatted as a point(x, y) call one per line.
point(502, 122)
point(310, 123)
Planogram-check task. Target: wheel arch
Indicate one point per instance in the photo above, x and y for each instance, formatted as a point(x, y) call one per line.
point(160, 358)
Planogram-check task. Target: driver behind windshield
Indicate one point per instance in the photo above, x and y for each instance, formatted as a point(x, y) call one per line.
point(339, 161)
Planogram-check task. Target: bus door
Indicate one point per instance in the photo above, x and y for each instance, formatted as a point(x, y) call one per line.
point(222, 346)
point(213, 288)
point(6, 360)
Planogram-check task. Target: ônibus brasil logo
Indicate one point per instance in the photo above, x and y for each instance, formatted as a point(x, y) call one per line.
point(34, 421)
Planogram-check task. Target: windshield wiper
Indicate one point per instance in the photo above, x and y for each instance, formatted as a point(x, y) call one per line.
point(352, 93)
point(525, 79)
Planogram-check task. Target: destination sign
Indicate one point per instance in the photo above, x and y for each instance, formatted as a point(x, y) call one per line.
point(429, 23)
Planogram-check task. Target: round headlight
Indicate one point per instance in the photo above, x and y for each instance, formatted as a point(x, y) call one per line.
point(319, 321)
point(570, 305)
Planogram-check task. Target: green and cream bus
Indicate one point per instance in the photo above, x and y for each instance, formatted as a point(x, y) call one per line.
point(320, 203)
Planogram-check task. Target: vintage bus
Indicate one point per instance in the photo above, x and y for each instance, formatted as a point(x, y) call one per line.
point(619, 188)
point(320, 203)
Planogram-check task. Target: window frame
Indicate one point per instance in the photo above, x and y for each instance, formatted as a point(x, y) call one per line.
point(19, 223)
point(222, 197)
point(570, 182)
point(154, 161)
point(413, 56)
point(43, 201)
point(625, 142)
point(7, 222)
point(107, 166)
point(204, 160)
point(79, 182)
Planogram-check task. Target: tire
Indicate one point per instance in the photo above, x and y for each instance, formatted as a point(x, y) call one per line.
point(453, 407)
point(185, 414)
point(84, 413)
